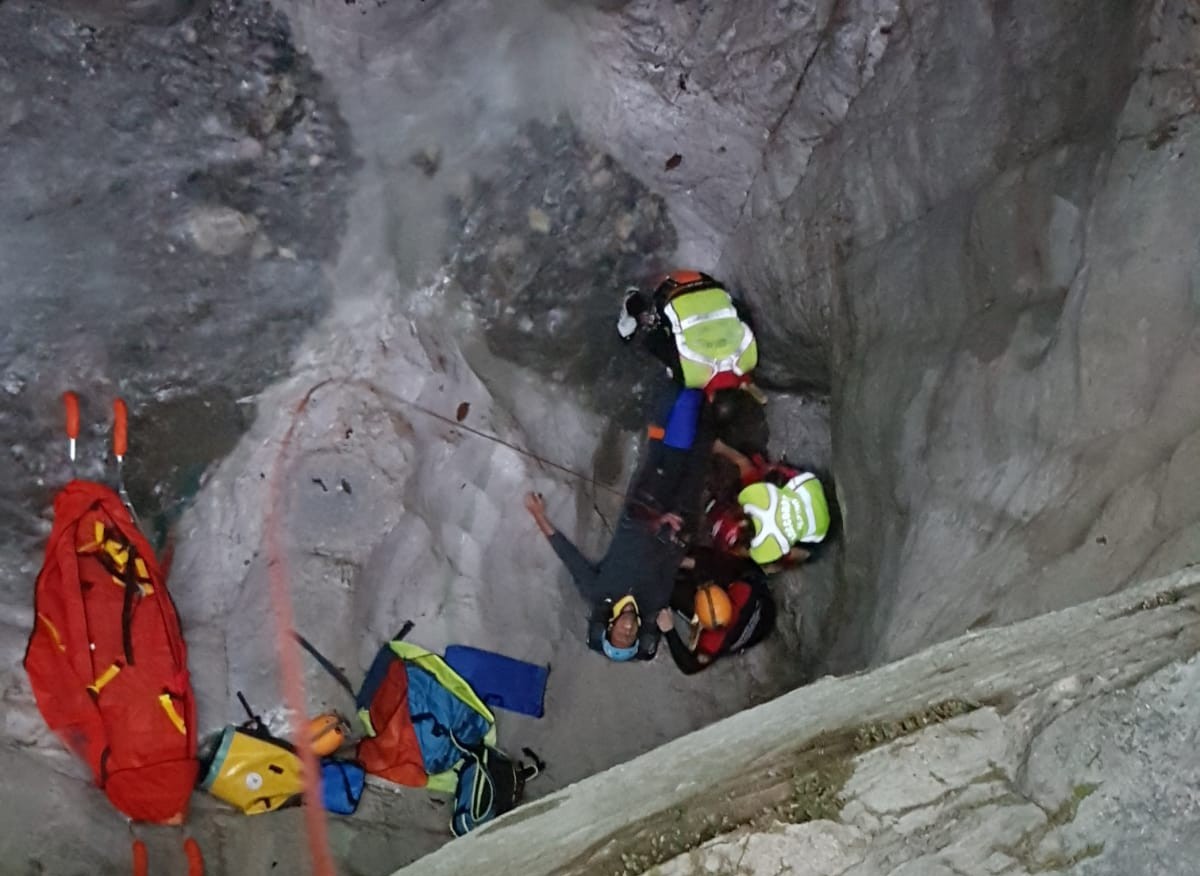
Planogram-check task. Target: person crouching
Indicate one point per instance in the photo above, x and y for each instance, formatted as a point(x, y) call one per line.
point(779, 517)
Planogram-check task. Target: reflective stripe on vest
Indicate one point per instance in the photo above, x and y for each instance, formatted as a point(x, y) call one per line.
point(784, 516)
point(766, 525)
point(813, 531)
point(729, 357)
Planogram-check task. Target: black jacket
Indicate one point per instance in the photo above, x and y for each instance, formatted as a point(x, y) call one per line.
point(640, 563)
point(643, 557)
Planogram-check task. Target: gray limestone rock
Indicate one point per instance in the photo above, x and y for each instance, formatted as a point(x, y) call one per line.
point(145, 12)
point(130, 141)
point(541, 285)
point(969, 235)
point(1064, 744)
point(980, 237)
point(220, 231)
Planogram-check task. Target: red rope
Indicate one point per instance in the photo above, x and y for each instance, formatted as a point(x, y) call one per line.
point(291, 674)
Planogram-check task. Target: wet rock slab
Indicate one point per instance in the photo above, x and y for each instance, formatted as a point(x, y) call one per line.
point(1064, 744)
point(169, 195)
point(544, 252)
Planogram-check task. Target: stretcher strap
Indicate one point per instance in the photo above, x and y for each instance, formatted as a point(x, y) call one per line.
point(53, 630)
point(104, 678)
point(168, 705)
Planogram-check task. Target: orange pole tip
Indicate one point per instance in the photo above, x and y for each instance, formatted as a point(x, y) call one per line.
point(141, 864)
point(71, 403)
point(120, 428)
point(195, 860)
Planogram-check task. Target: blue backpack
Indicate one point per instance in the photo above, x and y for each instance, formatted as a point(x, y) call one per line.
point(342, 783)
point(490, 783)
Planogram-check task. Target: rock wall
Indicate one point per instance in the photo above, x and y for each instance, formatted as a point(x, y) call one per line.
point(169, 198)
point(975, 224)
point(1064, 744)
point(969, 231)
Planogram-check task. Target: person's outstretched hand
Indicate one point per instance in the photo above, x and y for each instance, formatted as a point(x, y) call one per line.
point(536, 506)
point(665, 620)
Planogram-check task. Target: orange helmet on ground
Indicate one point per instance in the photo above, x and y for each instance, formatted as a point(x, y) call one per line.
point(326, 734)
point(714, 609)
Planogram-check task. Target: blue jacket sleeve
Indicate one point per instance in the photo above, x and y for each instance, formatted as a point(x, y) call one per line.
point(583, 572)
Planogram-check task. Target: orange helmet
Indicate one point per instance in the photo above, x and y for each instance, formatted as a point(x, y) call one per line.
point(677, 282)
point(326, 734)
point(714, 610)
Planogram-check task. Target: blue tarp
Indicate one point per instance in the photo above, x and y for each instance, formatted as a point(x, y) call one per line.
point(500, 681)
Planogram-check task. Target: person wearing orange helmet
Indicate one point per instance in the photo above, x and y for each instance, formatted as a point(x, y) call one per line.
point(694, 327)
point(725, 604)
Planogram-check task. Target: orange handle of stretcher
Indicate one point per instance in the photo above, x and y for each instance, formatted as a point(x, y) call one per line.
point(120, 428)
point(195, 860)
point(141, 865)
point(71, 403)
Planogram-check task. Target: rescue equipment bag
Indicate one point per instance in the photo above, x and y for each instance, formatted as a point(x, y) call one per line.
point(253, 772)
point(490, 783)
point(251, 769)
point(106, 658)
point(342, 784)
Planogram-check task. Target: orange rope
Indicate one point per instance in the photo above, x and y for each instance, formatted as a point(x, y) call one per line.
point(292, 676)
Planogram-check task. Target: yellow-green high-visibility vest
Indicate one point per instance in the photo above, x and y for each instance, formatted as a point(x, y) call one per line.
point(785, 516)
point(710, 337)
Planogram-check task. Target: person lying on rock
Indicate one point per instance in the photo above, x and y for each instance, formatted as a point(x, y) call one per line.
point(779, 516)
point(725, 607)
point(632, 583)
point(695, 328)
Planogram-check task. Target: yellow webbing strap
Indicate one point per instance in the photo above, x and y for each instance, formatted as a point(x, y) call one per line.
point(442, 783)
point(97, 539)
point(168, 706)
point(143, 576)
point(364, 715)
point(53, 630)
point(105, 677)
point(118, 552)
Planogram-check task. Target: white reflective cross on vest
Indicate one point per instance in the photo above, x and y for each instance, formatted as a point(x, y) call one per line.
point(780, 521)
point(728, 363)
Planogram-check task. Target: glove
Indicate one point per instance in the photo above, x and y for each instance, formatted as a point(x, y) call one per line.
point(627, 323)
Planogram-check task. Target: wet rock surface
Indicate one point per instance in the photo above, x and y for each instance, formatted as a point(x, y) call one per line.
point(147, 12)
point(545, 255)
point(981, 239)
point(169, 196)
point(973, 225)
